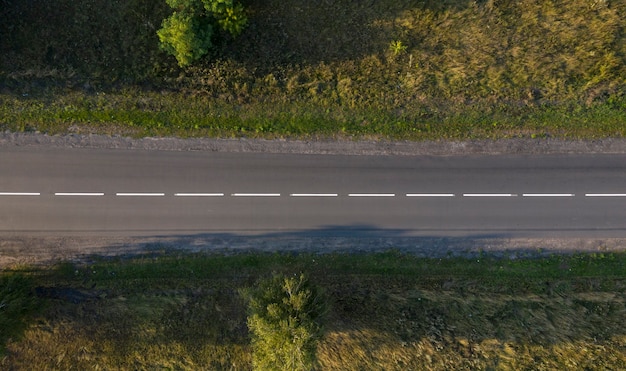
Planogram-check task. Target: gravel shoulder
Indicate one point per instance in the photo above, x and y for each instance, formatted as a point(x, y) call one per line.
point(338, 147)
point(43, 250)
point(17, 251)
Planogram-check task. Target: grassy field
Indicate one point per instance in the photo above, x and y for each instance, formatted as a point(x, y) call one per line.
point(390, 69)
point(387, 311)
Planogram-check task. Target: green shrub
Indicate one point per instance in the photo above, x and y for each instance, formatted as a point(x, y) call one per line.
point(232, 19)
point(185, 37)
point(187, 34)
point(284, 314)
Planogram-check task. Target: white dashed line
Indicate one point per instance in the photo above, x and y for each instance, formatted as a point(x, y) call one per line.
point(20, 194)
point(198, 194)
point(371, 195)
point(255, 194)
point(78, 194)
point(313, 195)
point(140, 194)
point(430, 194)
point(605, 194)
point(488, 195)
point(122, 194)
point(548, 195)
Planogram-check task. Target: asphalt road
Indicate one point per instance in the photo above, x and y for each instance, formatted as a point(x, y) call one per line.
point(62, 192)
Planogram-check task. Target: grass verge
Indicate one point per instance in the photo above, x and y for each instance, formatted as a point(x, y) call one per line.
point(386, 311)
point(140, 113)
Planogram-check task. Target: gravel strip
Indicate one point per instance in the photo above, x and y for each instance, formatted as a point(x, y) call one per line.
point(340, 147)
point(20, 251)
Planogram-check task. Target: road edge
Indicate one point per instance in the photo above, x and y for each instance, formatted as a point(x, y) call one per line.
point(518, 146)
point(46, 250)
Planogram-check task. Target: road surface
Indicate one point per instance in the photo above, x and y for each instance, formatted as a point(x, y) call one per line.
point(55, 191)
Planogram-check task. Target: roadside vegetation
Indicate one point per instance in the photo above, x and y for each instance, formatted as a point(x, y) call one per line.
point(387, 311)
point(389, 69)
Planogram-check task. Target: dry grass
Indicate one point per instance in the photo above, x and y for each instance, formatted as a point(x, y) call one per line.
point(386, 312)
point(448, 330)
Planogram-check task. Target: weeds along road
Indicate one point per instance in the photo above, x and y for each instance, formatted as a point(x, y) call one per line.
point(59, 192)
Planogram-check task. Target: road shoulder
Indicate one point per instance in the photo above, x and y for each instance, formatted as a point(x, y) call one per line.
point(519, 146)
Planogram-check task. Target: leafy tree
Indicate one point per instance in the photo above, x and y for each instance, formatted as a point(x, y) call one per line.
point(284, 315)
point(185, 37)
point(188, 33)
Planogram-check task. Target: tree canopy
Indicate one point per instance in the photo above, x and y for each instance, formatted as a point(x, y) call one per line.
point(188, 33)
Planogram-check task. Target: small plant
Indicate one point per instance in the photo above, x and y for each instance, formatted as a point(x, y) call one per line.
point(397, 47)
point(284, 315)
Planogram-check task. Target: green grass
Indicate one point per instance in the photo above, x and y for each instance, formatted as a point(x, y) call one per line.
point(17, 304)
point(387, 311)
point(465, 70)
point(141, 114)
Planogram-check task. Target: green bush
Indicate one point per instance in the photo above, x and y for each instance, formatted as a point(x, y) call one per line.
point(187, 34)
point(185, 37)
point(232, 19)
point(284, 314)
